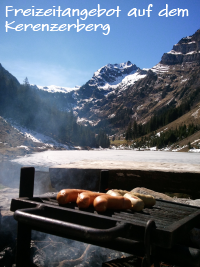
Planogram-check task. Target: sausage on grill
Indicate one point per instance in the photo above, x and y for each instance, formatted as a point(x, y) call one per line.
point(149, 200)
point(137, 203)
point(116, 192)
point(85, 199)
point(104, 202)
point(68, 195)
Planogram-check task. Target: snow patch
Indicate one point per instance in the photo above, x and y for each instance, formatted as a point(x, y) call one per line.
point(184, 80)
point(111, 116)
point(194, 150)
point(160, 68)
point(37, 137)
point(192, 52)
point(198, 140)
point(130, 80)
point(27, 148)
point(153, 148)
point(173, 52)
point(169, 101)
point(158, 134)
point(85, 121)
point(55, 88)
point(178, 148)
point(139, 107)
point(196, 114)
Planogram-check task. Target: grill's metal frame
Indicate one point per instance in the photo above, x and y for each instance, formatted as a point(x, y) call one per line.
point(38, 213)
point(165, 235)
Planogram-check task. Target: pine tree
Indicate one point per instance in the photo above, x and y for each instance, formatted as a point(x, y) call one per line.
point(26, 82)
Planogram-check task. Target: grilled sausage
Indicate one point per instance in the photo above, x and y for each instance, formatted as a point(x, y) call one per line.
point(101, 203)
point(85, 199)
point(68, 195)
point(149, 200)
point(137, 203)
point(113, 193)
point(117, 192)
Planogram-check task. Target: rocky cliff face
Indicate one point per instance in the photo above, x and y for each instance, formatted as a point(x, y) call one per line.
point(186, 50)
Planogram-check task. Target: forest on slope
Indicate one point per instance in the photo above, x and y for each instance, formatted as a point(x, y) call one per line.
point(21, 104)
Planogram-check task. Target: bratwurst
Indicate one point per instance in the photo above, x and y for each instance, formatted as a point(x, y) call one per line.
point(137, 203)
point(149, 201)
point(104, 202)
point(86, 199)
point(68, 195)
point(117, 192)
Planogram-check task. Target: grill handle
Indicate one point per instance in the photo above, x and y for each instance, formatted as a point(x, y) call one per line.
point(30, 217)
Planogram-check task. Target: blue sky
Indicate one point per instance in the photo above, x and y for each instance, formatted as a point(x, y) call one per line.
point(69, 58)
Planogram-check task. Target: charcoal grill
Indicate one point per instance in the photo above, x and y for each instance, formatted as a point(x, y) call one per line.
point(154, 232)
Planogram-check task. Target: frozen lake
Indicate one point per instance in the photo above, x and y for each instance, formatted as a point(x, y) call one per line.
point(43, 160)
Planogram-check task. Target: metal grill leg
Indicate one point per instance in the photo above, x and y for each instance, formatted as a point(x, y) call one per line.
point(149, 247)
point(104, 178)
point(26, 186)
point(26, 189)
point(23, 245)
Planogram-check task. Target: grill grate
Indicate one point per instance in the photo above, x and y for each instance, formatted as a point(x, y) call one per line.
point(163, 213)
point(145, 234)
point(172, 219)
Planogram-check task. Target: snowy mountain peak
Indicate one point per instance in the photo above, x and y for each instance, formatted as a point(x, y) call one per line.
point(112, 74)
point(120, 65)
point(55, 89)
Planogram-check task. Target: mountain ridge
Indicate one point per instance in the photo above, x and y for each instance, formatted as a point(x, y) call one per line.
point(118, 94)
point(125, 90)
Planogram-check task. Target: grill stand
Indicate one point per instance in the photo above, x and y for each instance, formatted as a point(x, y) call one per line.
point(23, 245)
point(24, 224)
point(26, 188)
point(178, 254)
point(149, 246)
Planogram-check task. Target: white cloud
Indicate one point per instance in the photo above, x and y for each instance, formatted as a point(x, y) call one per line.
point(45, 74)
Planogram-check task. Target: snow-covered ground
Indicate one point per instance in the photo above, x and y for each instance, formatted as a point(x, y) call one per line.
point(194, 150)
point(36, 137)
point(44, 160)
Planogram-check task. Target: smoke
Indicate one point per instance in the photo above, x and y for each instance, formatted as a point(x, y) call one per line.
point(87, 179)
point(8, 235)
point(10, 177)
point(49, 250)
point(9, 174)
point(53, 251)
